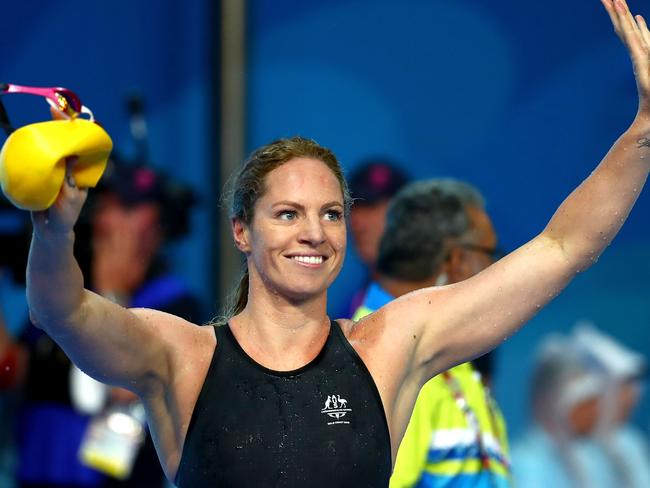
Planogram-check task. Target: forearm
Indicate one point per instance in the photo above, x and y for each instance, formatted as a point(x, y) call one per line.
point(54, 281)
point(592, 215)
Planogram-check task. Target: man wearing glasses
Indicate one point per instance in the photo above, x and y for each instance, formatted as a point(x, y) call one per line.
point(438, 233)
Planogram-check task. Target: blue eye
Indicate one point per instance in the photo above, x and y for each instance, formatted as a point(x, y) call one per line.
point(333, 215)
point(286, 214)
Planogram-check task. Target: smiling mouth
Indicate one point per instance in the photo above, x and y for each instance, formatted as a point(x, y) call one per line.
point(309, 260)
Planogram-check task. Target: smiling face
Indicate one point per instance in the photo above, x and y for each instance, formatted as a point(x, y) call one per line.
point(295, 244)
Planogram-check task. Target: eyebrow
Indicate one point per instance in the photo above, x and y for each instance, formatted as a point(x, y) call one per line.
point(297, 205)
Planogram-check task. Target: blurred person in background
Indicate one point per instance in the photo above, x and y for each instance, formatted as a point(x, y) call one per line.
point(15, 233)
point(585, 386)
point(372, 184)
point(134, 212)
point(438, 233)
point(10, 357)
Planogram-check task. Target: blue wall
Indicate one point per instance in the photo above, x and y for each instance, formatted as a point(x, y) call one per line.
point(520, 98)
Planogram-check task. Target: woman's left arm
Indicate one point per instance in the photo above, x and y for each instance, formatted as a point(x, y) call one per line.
point(592, 215)
point(451, 324)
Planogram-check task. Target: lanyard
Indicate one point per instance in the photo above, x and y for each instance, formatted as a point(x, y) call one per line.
point(472, 419)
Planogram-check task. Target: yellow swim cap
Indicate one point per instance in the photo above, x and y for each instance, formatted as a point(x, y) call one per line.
point(32, 160)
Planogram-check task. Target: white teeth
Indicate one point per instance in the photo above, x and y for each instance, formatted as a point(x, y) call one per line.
point(309, 259)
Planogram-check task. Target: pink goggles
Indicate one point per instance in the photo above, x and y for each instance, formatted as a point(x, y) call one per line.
point(61, 98)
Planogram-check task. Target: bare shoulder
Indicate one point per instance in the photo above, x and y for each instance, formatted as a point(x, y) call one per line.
point(376, 337)
point(388, 338)
point(347, 326)
point(400, 316)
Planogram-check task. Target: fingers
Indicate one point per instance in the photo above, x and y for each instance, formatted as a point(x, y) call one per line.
point(643, 28)
point(609, 7)
point(629, 30)
point(627, 21)
point(60, 218)
point(69, 174)
point(634, 34)
point(71, 198)
point(70, 178)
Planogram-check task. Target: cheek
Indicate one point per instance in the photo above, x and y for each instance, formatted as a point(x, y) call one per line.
point(378, 218)
point(338, 239)
point(107, 220)
point(268, 241)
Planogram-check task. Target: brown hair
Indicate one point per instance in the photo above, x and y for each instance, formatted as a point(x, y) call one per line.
point(249, 185)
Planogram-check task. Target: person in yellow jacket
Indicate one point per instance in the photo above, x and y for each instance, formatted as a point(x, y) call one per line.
point(437, 233)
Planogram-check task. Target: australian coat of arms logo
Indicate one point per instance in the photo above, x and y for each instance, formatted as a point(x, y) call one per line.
point(336, 408)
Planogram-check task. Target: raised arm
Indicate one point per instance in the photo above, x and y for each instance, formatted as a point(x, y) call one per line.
point(111, 343)
point(448, 325)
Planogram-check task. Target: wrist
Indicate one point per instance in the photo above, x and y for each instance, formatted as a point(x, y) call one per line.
point(55, 238)
point(641, 122)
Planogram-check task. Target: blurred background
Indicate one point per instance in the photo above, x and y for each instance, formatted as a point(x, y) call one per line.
point(522, 99)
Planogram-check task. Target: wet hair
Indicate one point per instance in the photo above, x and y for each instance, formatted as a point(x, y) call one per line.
point(248, 186)
point(422, 219)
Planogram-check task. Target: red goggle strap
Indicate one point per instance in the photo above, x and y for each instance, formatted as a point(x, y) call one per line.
point(64, 100)
point(59, 98)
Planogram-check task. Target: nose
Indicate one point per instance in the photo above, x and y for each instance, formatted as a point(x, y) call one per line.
point(311, 231)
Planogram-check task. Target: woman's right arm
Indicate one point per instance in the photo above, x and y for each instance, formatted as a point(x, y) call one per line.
point(125, 347)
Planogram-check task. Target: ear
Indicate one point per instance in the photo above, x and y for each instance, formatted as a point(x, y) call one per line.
point(241, 235)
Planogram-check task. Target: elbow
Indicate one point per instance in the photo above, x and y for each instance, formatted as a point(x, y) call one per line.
point(54, 316)
point(572, 255)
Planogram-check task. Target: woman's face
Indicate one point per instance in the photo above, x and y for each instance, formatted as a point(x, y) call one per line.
point(296, 241)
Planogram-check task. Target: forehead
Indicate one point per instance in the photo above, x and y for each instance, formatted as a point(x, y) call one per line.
point(302, 179)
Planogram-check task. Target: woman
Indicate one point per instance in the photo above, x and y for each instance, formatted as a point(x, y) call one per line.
point(282, 396)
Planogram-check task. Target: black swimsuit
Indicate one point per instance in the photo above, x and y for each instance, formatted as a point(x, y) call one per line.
point(322, 425)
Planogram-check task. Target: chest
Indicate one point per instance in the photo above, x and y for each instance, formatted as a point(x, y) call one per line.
point(258, 428)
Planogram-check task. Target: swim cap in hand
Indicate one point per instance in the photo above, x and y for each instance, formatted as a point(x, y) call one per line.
point(33, 158)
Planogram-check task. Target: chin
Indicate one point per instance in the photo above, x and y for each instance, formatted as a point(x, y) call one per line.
point(303, 294)
point(296, 292)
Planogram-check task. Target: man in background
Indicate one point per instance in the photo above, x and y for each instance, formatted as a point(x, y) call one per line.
point(438, 233)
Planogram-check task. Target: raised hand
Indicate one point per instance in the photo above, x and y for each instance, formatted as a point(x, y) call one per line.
point(60, 218)
point(633, 31)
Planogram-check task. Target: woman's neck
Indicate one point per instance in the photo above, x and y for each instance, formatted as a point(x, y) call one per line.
point(280, 333)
